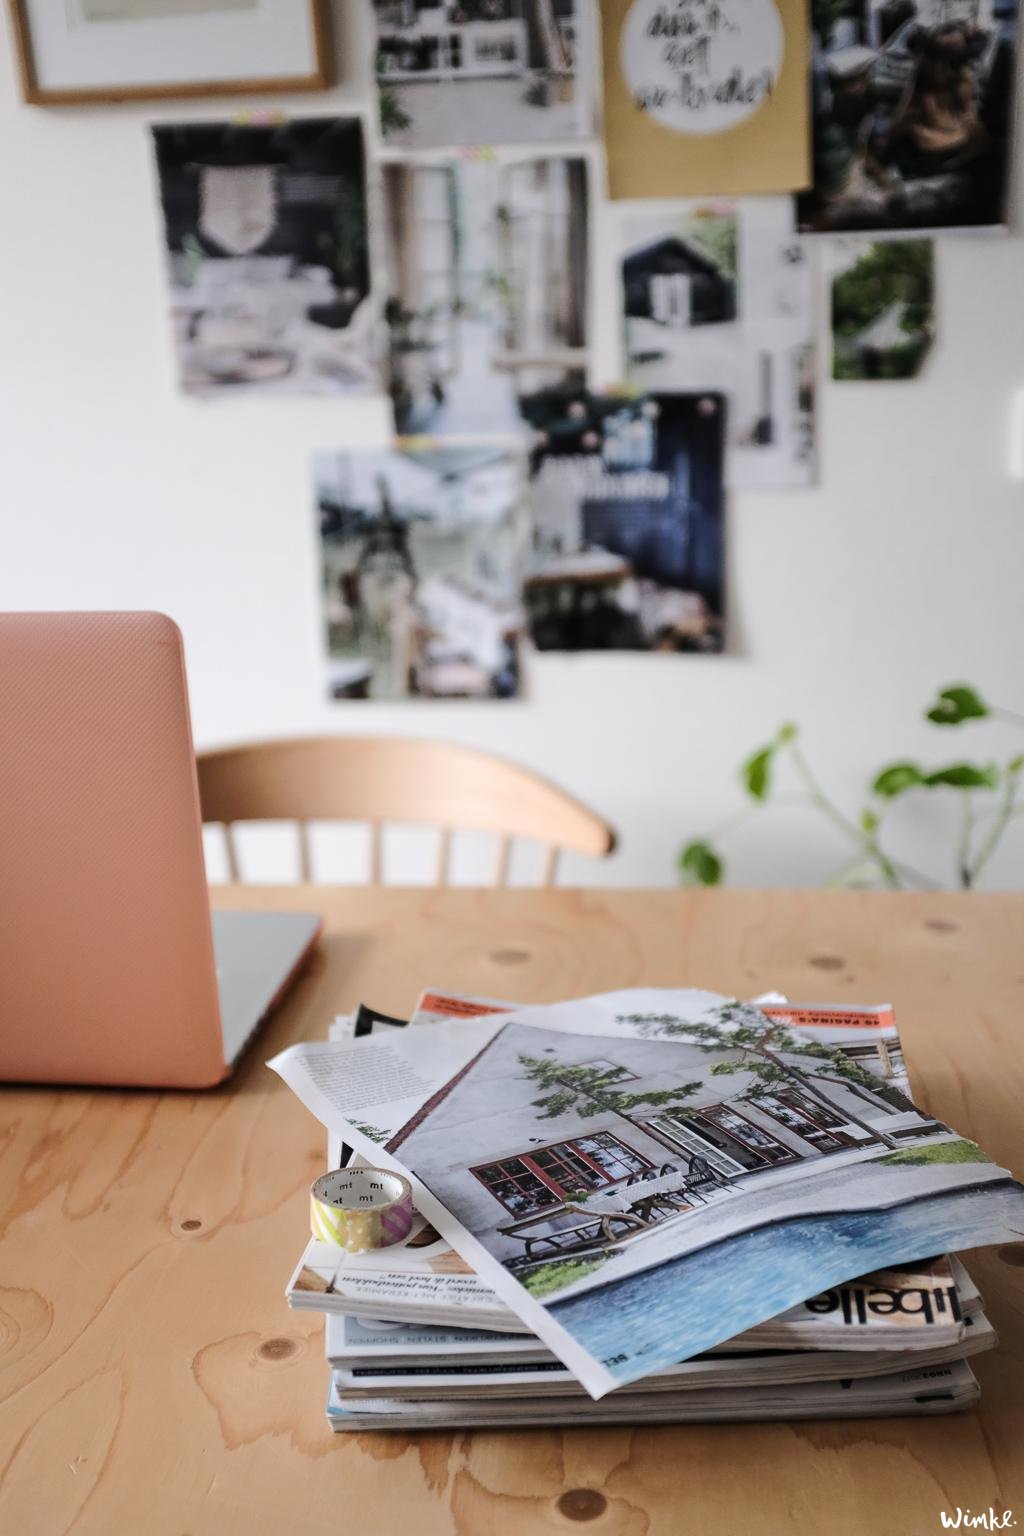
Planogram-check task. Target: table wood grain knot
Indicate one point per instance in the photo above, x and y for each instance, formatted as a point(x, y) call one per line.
point(277, 1349)
point(582, 1504)
point(510, 956)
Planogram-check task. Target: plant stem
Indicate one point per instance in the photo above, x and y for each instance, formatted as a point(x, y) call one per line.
point(819, 797)
point(1010, 715)
point(725, 828)
point(890, 869)
point(866, 840)
point(1007, 810)
point(963, 861)
point(860, 862)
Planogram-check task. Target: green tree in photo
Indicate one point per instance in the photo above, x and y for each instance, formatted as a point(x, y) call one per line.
point(893, 278)
point(759, 1043)
point(393, 116)
point(372, 1132)
point(714, 235)
point(590, 1090)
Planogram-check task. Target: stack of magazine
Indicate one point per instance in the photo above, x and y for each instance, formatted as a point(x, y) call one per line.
point(649, 1206)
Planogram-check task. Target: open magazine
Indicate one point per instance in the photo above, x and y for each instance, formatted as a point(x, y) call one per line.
point(643, 1175)
point(409, 1285)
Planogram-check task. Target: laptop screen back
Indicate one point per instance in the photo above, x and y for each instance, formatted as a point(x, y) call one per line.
point(106, 959)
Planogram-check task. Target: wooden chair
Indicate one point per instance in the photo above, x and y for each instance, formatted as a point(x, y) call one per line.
point(386, 779)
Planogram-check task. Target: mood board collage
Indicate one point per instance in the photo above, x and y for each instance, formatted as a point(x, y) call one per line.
point(526, 166)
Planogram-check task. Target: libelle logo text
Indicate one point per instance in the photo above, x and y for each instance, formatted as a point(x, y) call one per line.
point(988, 1520)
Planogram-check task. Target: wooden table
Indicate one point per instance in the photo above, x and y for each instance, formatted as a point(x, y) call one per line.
point(154, 1382)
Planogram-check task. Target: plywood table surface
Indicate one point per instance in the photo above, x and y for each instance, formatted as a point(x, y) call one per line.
point(153, 1381)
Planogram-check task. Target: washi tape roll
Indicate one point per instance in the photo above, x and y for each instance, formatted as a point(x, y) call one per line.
point(360, 1208)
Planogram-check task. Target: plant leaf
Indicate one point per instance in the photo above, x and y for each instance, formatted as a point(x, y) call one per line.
point(869, 820)
point(956, 704)
point(700, 864)
point(892, 781)
point(1016, 763)
point(756, 773)
point(787, 733)
point(965, 776)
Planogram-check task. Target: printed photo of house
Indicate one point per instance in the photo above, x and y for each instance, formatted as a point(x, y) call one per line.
point(550, 1146)
point(453, 72)
point(682, 281)
point(718, 296)
point(487, 287)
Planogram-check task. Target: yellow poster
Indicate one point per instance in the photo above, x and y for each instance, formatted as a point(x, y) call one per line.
point(705, 97)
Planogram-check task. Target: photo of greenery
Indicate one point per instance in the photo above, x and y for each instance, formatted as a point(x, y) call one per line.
point(883, 310)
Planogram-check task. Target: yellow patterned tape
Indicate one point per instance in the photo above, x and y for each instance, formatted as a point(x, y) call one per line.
point(360, 1209)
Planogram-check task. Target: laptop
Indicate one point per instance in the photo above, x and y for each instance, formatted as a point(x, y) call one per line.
point(112, 970)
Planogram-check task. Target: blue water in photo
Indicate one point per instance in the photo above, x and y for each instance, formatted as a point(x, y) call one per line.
point(646, 1321)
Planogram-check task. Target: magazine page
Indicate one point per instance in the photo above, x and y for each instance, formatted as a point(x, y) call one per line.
point(356, 1341)
point(423, 1277)
point(516, 1377)
point(866, 1035)
point(933, 1389)
point(644, 1174)
point(325, 1276)
point(436, 1005)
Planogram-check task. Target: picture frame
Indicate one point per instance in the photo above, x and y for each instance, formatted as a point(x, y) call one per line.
point(107, 51)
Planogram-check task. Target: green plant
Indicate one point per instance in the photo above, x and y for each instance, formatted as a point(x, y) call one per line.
point(372, 1132)
point(988, 802)
point(586, 1090)
point(393, 116)
point(343, 248)
point(942, 1152)
point(559, 1273)
point(758, 1047)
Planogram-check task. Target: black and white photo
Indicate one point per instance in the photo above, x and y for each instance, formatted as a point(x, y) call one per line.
point(268, 265)
point(452, 72)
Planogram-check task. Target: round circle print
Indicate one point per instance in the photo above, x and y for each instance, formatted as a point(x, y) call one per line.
point(701, 66)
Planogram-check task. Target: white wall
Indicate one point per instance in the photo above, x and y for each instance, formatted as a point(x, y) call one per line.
point(848, 603)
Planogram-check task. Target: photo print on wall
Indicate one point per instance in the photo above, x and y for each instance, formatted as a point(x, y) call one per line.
point(718, 295)
point(913, 114)
point(627, 506)
point(883, 308)
point(267, 255)
point(705, 98)
point(463, 72)
point(423, 548)
point(487, 262)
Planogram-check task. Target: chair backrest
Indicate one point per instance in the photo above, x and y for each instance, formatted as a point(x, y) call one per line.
point(385, 780)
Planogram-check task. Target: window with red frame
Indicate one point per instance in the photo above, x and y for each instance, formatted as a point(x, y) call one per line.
point(549, 1175)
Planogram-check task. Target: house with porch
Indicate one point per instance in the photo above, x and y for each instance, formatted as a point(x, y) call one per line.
point(554, 1143)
